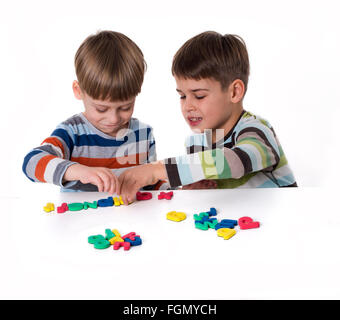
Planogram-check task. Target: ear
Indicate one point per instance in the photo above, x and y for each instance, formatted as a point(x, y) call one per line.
point(237, 90)
point(76, 90)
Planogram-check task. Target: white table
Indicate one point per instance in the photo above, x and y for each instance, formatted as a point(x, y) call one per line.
point(293, 255)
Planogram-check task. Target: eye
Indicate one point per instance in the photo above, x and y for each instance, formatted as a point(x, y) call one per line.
point(182, 97)
point(101, 110)
point(126, 109)
point(200, 97)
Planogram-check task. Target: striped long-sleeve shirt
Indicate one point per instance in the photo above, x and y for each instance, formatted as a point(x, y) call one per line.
point(249, 156)
point(76, 140)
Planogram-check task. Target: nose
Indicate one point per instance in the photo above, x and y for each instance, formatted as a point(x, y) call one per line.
point(188, 104)
point(114, 117)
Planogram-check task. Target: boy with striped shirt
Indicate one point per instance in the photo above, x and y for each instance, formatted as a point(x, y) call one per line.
point(233, 148)
point(88, 151)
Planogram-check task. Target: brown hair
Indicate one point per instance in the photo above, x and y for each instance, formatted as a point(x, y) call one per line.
point(110, 66)
point(212, 55)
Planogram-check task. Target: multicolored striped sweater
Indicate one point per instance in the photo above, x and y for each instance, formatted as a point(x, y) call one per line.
point(249, 156)
point(76, 140)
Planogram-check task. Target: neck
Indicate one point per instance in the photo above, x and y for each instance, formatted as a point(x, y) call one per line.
point(229, 124)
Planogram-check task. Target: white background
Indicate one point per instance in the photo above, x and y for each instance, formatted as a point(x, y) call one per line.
point(294, 50)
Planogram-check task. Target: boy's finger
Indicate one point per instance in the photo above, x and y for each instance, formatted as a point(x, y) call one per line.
point(98, 182)
point(120, 189)
point(106, 180)
point(132, 193)
point(127, 190)
point(125, 200)
point(117, 184)
point(114, 184)
point(111, 190)
point(111, 183)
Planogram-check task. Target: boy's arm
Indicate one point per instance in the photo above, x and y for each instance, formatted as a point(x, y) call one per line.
point(49, 161)
point(256, 149)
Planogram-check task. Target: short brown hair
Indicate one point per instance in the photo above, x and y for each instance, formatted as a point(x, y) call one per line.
point(212, 55)
point(110, 66)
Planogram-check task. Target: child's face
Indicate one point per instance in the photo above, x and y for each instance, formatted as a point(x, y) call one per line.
point(108, 117)
point(206, 106)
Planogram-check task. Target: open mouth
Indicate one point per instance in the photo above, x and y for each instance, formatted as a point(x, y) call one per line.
point(194, 121)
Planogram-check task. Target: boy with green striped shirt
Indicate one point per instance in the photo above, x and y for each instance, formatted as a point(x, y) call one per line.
point(232, 148)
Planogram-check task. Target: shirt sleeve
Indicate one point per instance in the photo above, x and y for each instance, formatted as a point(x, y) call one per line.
point(48, 162)
point(255, 149)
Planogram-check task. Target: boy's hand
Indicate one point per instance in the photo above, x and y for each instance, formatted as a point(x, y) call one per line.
point(103, 178)
point(203, 184)
point(135, 178)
